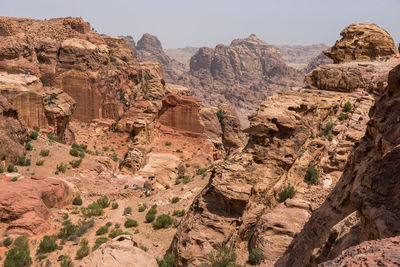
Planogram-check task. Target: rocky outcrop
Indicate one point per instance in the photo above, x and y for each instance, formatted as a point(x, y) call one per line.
point(319, 60)
point(121, 251)
point(347, 77)
point(362, 41)
point(13, 133)
point(149, 48)
point(25, 204)
point(367, 186)
point(241, 74)
point(384, 252)
point(37, 105)
point(99, 72)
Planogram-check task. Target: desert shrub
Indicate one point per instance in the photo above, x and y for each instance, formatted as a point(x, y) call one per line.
point(144, 248)
point(127, 211)
point(75, 163)
point(102, 230)
point(62, 167)
point(65, 216)
point(103, 202)
point(167, 261)
point(14, 179)
point(44, 81)
point(201, 171)
point(74, 152)
point(1, 170)
point(114, 205)
point(223, 257)
point(66, 262)
point(91, 210)
point(67, 230)
point(117, 232)
point(53, 138)
point(327, 130)
point(163, 221)
point(48, 244)
point(343, 116)
point(44, 152)
point(7, 242)
point(168, 143)
point(28, 147)
point(311, 176)
point(175, 200)
point(36, 128)
point(39, 163)
point(186, 179)
point(220, 113)
point(178, 151)
point(99, 241)
point(131, 223)
point(124, 58)
point(151, 214)
point(23, 161)
point(77, 201)
point(34, 135)
point(41, 257)
point(11, 168)
point(256, 256)
point(288, 191)
point(80, 147)
point(142, 207)
point(347, 107)
point(19, 255)
point(178, 213)
point(71, 231)
point(175, 223)
point(84, 250)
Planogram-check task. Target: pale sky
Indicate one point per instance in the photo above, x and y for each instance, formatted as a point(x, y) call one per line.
point(180, 23)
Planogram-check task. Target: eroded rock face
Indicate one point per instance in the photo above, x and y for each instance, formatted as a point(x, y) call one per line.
point(25, 204)
point(121, 251)
point(319, 60)
point(368, 186)
point(13, 132)
point(241, 74)
point(362, 41)
point(99, 72)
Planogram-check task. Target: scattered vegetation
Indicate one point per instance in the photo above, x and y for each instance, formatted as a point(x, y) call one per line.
point(103, 202)
point(168, 143)
point(84, 250)
point(7, 242)
point(178, 213)
point(12, 168)
point(14, 179)
point(28, 147)
point(48, 244)
point(34, 135)
point(131, 223)
point(167, 261)
point(66, 262)
point(44, 81)
point(162, 221)
point(151, 214)
point(23, 161)
point(77, 201)
point(102, 230)
point(175, 200)
point(223, 257)
point(312, 176)
point(75, 163)
point(343, 116)
point(347, 107)
point(256, 256)
point(220, 113)
point(99, 241)
point(53, 138)
point(114, 205)
point(124, 58)
point(62, 167)
point(288, 191)
point(39, 163)
point(117, 232)
point(44, 152)
point(144, 248)
point(71, 231)
point(327, 130)
point(76, 153)
point(19, 255)
point(91, 210)
point(142, 207)
point(127, 211)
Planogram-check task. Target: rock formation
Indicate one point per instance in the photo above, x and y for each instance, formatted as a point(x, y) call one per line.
point(13, 133)
point(299, 56)
point(121, 251)
point(149, 48)
point(25, 204)
point(319, 60)
point(362, 41)
point(183, 55)
point(241, 74)
point(367, 186)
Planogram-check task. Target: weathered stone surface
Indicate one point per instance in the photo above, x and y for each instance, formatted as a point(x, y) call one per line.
point(232, 136)
point(13, 133)
point(368, 186)
point(362, 41)
point(121, 251)
point(319, 60)
point(25, 204)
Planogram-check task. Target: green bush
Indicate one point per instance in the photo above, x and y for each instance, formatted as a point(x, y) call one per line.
point(327, 130)
point(163, 221)
point(75, 163)
point(14, 179)
point(167, 261)
point(53, 138)
point(103, 202)
point(66, 262)
point(102, 230)
point(91, 210)
point(168, 143)
point(84, 250)
point(223, 257)
point(186, 179)
point(175, 200)
point(124, 58)
point(34, 135)
point(114, 205)
point(151, 214)
point(131, 223)
point(23, 161)
point(7, 242)
point(178, 213)
point(127, 211)
point(117, 232)
point(220, 113)
point(1, 170)
point(67, 230)
point(44, 81)
point(48, 244)
point(343, 116)
point(256, 256)
point(39, 163)
point(99, 241)
point(28, 147)
point(144, 248)
point(77, 201)
point(36, 128)
point(19, 255)
point(44, 152)
point(288, 191)
point(62, 167)
point(311, 176)
point(142, 207)
point(347, 107)
point(11, 168)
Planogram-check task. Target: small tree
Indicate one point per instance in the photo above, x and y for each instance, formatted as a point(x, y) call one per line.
point(288, 191)
point(347, 107)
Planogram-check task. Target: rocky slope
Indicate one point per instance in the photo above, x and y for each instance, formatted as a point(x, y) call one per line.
point(288, 133)
point(183, 55)
point(149, 48)
point(299, 56)
point(367, 191)
point(241, 74)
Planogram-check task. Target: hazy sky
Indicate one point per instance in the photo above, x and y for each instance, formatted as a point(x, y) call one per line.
point(179, 23)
